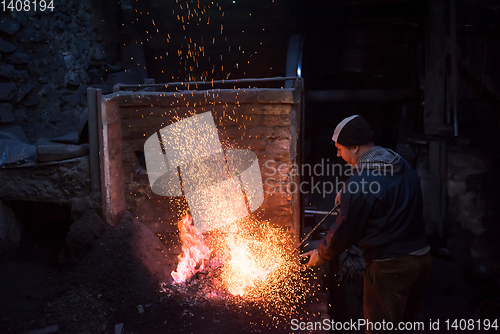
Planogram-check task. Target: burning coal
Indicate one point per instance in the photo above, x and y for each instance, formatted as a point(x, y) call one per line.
point(251, 260)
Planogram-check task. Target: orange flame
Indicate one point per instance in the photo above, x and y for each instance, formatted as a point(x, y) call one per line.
point(254, 261)
point(194, 251)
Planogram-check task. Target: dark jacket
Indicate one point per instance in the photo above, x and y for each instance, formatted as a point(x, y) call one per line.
point(386, 219)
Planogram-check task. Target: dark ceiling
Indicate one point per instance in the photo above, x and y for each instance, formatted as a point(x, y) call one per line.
point(250, 38)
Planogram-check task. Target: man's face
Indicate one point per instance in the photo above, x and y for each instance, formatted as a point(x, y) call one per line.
point(347, 153)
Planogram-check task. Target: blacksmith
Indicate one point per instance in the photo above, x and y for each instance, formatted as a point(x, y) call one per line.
point(381, 212)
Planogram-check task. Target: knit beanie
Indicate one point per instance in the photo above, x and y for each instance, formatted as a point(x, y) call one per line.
point(353, 131)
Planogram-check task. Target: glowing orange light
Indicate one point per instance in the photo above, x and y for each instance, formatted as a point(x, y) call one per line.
point(194, 254)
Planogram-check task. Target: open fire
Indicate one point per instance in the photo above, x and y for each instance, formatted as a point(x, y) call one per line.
point(230, 254)
point(195, 252)
point(248, 259)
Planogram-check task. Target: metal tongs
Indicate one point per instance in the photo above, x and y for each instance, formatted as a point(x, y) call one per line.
point(315, 227)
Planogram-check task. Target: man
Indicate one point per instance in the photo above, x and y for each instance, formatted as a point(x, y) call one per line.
point(380, 212)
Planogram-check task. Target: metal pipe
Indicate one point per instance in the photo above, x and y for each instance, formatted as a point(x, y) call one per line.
point(317, 212)
point(454, 63)
point(212, 82)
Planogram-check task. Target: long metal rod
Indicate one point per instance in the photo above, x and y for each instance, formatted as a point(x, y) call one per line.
point(317, 212)
point(211, 82)
point(315, 227)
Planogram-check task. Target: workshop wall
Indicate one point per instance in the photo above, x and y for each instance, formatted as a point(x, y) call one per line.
point(47, 61)
point(264, 121)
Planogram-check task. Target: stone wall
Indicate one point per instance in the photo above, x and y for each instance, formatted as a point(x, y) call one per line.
point(261, 120)
point(48, 59)
point(471, 183)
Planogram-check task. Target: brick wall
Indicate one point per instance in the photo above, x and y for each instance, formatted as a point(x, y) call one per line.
point(262, 120)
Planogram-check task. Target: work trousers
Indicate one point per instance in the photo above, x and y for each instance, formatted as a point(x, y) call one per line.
point(394, 292)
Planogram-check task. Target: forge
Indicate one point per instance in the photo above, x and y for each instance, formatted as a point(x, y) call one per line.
point(250, 254)
point(262, 120)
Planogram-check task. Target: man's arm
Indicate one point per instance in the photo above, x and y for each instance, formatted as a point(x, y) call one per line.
point(355, 211)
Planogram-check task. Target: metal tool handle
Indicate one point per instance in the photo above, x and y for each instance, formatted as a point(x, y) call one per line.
point(317, 225)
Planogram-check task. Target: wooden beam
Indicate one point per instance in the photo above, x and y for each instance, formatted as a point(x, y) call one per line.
point(363, 95)
point(435, 72)
point(437, 184)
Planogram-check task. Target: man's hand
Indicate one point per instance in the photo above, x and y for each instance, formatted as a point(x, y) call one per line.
point(337, 198)
point(315, 260)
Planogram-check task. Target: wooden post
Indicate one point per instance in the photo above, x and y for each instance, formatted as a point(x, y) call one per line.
point(437, 185)
point(106, 175)
point(434, 106)
point(110, 149)
point(435, 72)
point(454, 64)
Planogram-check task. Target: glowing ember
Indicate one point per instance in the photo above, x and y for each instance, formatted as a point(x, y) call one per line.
point(249, 259)
point(194, 254)
point(252, 257)
point(246, 255)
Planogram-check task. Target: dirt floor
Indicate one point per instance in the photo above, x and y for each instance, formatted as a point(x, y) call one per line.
point(121, 283)
point(124, 282)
